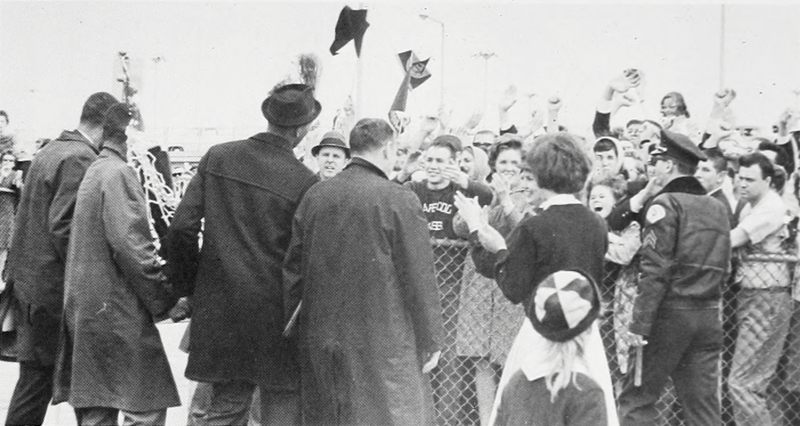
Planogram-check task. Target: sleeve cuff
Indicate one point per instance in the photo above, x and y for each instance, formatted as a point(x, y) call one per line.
point(604, 106)
point(640, 329)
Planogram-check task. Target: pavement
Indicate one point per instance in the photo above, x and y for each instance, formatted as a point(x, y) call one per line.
point(62, 414)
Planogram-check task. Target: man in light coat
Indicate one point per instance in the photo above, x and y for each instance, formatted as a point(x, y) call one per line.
point(38, 254)
point(370, 325)
point(247, 191)
point(112, 358)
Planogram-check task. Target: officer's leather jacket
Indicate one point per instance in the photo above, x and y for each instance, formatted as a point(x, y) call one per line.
point(685, 253)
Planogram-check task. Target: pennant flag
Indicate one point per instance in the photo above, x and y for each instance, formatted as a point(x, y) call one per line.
point(352, 25)
point(418, 69)
point(416, 73)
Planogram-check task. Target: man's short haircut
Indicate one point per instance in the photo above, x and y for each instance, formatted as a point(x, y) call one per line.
point(4, 114)
point(370, 134)
point(504, 143)
point(558, 163)
point(762, 161)
point(115, 122)
point(438, 143)
point(779, 180)
point(718, 161)
point(94, 109)
point(605, 144)
point(683, 168)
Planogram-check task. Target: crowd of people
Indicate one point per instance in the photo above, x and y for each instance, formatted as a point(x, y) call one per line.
point(603, 271)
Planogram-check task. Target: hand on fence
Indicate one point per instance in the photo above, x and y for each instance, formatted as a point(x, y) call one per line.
point(470, 210)
point(432, 362)
point(633, 339)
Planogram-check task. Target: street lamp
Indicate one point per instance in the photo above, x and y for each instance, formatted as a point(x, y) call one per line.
point(427, 17)
point(485, 56)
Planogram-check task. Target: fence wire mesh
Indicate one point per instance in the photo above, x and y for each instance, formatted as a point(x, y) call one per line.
point(759, 363)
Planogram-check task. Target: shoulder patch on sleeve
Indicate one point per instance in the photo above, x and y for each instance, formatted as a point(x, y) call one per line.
point(655, 213)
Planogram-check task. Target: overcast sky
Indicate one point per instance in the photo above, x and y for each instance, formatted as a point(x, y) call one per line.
point(222, 58)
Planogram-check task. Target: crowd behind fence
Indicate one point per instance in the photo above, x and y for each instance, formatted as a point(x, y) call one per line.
point(481, 324)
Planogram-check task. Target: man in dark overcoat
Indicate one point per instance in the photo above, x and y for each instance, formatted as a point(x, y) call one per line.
point(112, 359)
point(247, 191)
point(370, 325)
point(38, 254)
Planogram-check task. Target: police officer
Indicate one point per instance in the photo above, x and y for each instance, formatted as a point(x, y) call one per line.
point(685, 260)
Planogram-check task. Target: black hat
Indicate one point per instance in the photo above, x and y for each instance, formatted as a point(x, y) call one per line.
point(334, 139)
point(564, 305)
point(292, 105)
point(679, 148)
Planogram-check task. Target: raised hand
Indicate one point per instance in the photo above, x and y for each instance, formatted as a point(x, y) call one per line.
point(445, 116)
point(456, 175)
point(474, 119)
point(429, 124)
point(508, 98)
point(501, 187)
point(628, 79)
point(724, 97)
point(554, 104)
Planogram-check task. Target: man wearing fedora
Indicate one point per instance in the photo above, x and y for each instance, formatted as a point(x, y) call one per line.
point(332, 154)
point(247, 192)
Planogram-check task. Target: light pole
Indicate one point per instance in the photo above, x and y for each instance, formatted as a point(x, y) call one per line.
point(427, 17)
point(156, 62)
point(486, 56)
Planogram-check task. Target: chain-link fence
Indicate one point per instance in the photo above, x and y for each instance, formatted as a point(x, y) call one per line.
point(760, 360)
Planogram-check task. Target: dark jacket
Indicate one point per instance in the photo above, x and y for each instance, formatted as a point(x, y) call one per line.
point(685, 251)
point(112, 355)
point(561, 237)
point(38, 250)
point(247, 191)
point(362, 262)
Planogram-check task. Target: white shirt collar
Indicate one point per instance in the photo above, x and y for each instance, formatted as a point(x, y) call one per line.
point(560, 200)
point(86, 136)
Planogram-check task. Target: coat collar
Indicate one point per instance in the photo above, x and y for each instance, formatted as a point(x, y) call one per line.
point(275, 140)
point(560, 200)
point(116, 150)
point(76, 136)
point(360, 162)
point(684, 184)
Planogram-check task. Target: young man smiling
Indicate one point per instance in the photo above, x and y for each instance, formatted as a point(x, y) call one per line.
point(437, 193)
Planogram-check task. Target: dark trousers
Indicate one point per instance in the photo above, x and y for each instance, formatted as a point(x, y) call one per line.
point(684, 344)
point(106, 416)
point(32, 394)
point(229, 404)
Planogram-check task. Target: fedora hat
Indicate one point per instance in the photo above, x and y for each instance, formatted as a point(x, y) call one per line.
point(292, 105)
point(334, 139)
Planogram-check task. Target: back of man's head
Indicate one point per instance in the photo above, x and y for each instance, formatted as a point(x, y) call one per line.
point(717, 159)
point(115, 123)
point(94, 109)
point(369, 135)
